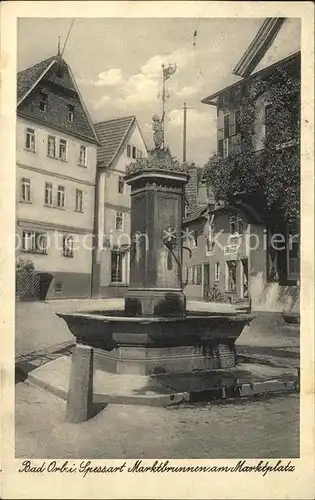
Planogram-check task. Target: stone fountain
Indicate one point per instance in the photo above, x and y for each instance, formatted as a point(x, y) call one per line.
point(155, 334)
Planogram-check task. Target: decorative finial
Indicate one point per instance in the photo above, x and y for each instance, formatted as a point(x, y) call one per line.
point(58, 53)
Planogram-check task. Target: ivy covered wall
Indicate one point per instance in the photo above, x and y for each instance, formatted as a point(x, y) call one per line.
point(258, 155)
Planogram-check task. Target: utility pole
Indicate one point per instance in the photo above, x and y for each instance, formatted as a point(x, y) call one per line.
point(163, 104)
point(184, 132)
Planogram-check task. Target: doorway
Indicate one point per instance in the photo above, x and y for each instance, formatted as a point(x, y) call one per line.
point(244, 278)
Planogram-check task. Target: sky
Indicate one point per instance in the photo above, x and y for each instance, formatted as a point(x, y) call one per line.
point(117, 66)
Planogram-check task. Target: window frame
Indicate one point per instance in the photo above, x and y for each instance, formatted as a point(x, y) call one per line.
point(226, 126)
point(119, 218)
point(30, 132)
point(55, 146)
point(61, 140)
point(120, 273)
point(128, 152)
point(217, 271)
point(79, 206)
point(226, 148)
point(70, 113)
point(48, 189)
point(121, 184)
point(61, 189)
point(237, 121)
point(84, 163)
point(25, 182)
point(43, 102)
point(67, 250)
point(33, 237)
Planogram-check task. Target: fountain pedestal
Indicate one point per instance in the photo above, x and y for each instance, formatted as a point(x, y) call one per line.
point(157, 185)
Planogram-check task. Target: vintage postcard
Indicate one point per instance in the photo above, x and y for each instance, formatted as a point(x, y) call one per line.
point(157, 241)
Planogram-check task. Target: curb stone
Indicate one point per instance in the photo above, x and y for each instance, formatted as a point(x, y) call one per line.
point(239, 391)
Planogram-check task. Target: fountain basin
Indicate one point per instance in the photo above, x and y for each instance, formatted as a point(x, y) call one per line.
point(154, 345)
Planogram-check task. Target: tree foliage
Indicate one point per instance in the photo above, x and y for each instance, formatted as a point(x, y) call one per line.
point(272, 173)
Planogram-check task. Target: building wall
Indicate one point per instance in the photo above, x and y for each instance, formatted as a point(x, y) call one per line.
point(268, 296)
point(208, 259)
point(265, 295)
point(72, 272)
point(111, 202)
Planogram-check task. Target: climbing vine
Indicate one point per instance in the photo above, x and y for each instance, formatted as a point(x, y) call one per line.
point(273, 172)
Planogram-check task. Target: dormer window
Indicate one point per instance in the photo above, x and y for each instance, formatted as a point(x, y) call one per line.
point(70, 112)
point(43, 101)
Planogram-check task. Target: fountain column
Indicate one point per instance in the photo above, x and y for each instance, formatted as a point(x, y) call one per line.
point(157, 200)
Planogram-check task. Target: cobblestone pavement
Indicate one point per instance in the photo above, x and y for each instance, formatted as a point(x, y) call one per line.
point(268, 427)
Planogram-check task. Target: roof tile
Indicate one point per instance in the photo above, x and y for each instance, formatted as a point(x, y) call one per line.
point(27, 77)
point(111, 134)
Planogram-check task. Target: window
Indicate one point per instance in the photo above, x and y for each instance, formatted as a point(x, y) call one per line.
point(121, 185)
point(61, 197)
point(70, 114)
point(117, 266)
point(43, 101)
point(58, 286)
point(128, 150)
point(34, 242)
point(48, 193)
point(189, 274)
point(225, 147)
point(26, 190)
point(217, 271)
point(220, 147)
point(83, 156)
point(139, 153)
point(51, 146)
point(134, 152)
point(67, 246)
point(237, 121)
point(79, 200)
point(30, 139)
point(119, 221)
point(63, 149)
point(196, 277)
point(226, 126)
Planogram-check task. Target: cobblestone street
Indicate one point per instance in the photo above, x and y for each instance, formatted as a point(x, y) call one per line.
point(268, 427)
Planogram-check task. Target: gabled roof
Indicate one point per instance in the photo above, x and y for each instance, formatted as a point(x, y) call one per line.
point(199, 212)
point(259, 46)
point(28, 79)
point(113, 135)
point(261, 74)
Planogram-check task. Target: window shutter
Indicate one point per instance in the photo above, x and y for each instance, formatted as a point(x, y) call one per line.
point(232, 122)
